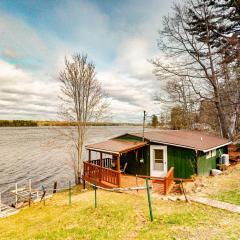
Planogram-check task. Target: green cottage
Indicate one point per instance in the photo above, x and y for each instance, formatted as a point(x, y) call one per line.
point(189, 152)
point(156, 154)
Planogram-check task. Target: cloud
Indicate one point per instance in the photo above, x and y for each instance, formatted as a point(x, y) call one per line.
point(18, 39)
point(129, 81)
point(10, 54)
point(122, 88)
point(22, 94)
point(133, 56)
point(120, 41)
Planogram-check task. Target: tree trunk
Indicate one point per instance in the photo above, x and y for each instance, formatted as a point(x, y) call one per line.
point(222, 120)
point(215, 84)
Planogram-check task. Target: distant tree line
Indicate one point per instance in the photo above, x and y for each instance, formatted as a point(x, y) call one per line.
point(18, 123)
point(32, 123)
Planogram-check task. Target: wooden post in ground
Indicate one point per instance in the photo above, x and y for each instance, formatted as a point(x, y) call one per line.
point(43, 195)
point(16, 191)
point(29, 199)
point(137, 181)
point(30, 185)
point(119, 171)
point(55, 187)
point(184, 192)
point(95, 194)
point(30, 191)
point(70, 193)
point(84, 184)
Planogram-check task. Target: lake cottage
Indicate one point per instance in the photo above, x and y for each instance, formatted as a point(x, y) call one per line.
point(164, 154)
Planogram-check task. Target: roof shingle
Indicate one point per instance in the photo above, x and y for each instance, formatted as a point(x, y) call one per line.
point(189, 139)
point(115, 146)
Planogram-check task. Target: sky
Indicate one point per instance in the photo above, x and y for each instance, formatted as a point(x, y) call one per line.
point(119, 36)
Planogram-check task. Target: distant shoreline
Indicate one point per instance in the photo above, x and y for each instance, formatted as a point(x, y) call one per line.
point(31, 123)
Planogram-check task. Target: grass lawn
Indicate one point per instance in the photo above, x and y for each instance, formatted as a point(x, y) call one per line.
point(228, 190)
point(118, 216)
point(232, 196)
point(224, 187)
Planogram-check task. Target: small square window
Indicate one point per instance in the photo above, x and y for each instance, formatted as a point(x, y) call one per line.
point(214, 153)
point(208, 154)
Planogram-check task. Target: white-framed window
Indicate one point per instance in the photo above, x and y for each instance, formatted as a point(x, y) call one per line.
point(214, 152)
point(158, 163)
point(210, 154)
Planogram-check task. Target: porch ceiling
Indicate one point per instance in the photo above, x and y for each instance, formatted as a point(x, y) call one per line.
point(114, 146)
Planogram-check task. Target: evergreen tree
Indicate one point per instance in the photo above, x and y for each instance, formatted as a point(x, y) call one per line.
point(227, 37)
point(154, 121)
point(178, 119)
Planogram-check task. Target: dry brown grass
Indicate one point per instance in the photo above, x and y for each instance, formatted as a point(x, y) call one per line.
point(223, 187)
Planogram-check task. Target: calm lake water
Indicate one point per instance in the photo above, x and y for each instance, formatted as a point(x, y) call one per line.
point(42, 155)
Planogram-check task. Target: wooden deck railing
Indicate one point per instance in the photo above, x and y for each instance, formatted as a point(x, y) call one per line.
point(106, 162)
point(110, 176)
point(169, 180)
point(98, 173)
point(91, 170)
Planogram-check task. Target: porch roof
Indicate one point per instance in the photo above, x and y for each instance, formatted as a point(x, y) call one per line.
point(114, 146)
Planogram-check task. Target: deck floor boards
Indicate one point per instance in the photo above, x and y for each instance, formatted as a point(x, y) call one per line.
point(130, 181)
point(6, 210)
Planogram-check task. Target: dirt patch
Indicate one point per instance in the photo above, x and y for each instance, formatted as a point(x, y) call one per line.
point(228, 180)
point(141, 221)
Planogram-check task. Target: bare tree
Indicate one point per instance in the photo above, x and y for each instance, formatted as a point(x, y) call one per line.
point(180, 95)
point(189, 38)
point(82, 101)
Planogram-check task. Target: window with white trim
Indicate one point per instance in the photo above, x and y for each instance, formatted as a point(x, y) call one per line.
point(214, 153)
point(211, 153)
point(208, 154)
point(158, 160)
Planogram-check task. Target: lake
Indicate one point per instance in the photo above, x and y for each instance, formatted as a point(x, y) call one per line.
point(42, 155)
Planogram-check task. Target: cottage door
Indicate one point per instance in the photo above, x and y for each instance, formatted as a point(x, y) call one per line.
point(158, 162)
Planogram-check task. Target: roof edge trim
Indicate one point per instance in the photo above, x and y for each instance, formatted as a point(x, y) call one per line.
point(204, 150)
point(225, 144)
point(101, 150)
point(172, 144)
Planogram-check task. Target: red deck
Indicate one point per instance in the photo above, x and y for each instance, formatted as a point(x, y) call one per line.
point(108, 178)
point(126, 181)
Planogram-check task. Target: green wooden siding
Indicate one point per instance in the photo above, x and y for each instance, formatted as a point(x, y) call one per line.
point(134, 166)
point(205, 165)
point(183, 161)
point(129, 137)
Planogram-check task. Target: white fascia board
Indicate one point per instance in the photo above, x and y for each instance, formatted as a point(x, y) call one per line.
point(210, 149)
point(183, 146)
